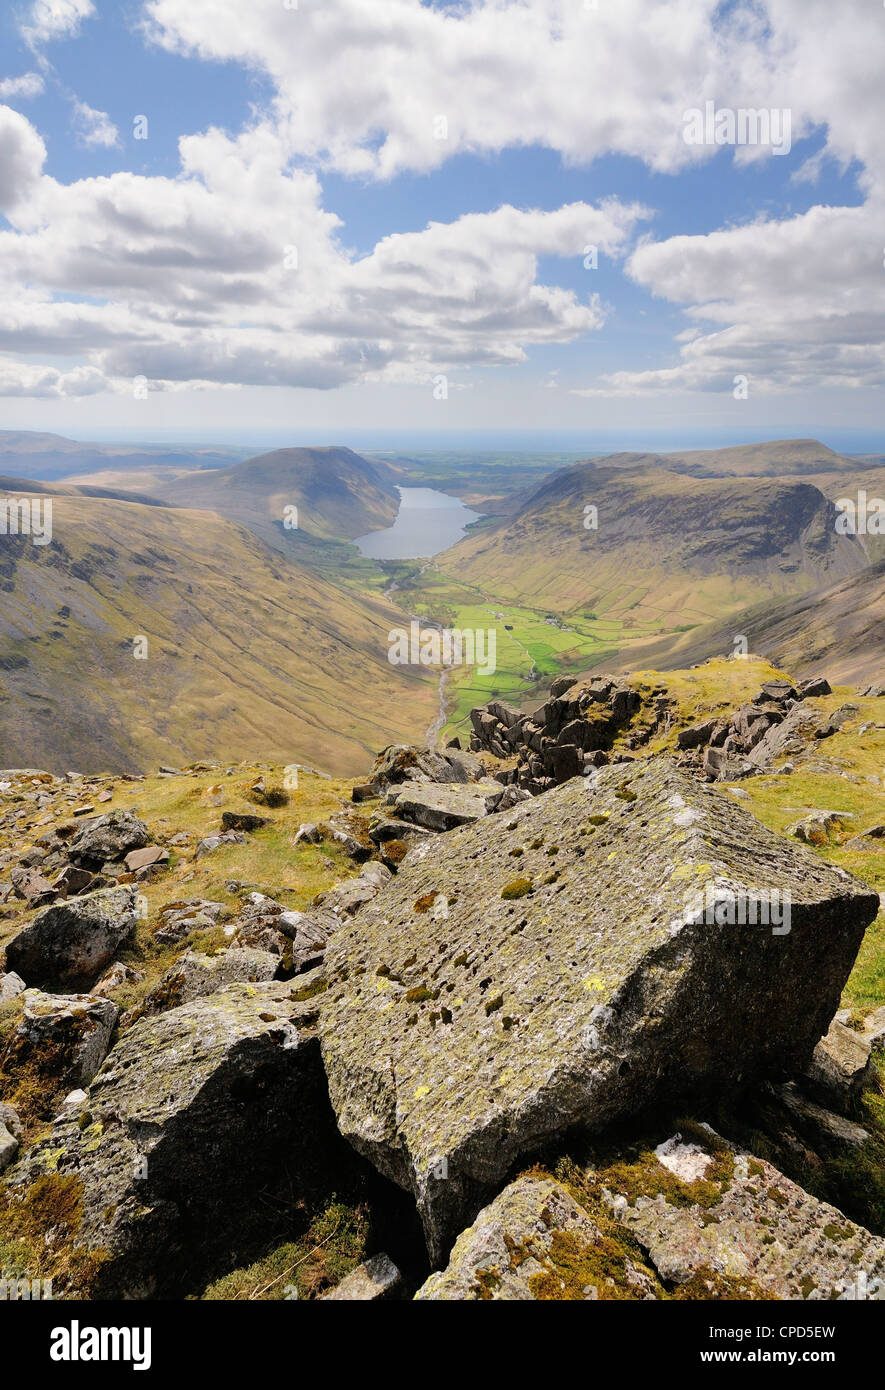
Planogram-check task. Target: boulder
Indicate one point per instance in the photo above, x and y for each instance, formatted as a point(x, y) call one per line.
point(214, 842)
point(194, 975)
point(33, 887)
point(535, 1241)
point(11, 1131)
point(241, 820)
point(819, 828)
point(203, 1123)
point(576, 981)
point(11, 986)
point(443, 807)
point(71, 943)
point(145, 858)
point(814, 686)
point(375, 1281)
point(59, 1041)
point(840, 1068)
point(710, 1214)
point(107, 838)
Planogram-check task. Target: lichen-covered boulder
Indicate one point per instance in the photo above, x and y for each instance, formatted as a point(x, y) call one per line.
point(59, 1041)
point(107, 838)
point(195, 974)
point(71, 943)
point(553, 967)
point(203, 1123)
point(446, 806)
point(535, 1241)
point(703, 1208)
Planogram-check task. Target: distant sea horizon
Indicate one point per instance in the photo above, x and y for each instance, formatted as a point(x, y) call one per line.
point(495, 441)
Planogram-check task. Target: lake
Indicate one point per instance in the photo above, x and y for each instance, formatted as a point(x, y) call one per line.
point(427, 522)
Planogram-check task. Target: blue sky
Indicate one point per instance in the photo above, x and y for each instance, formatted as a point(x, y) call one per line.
point(163, 305)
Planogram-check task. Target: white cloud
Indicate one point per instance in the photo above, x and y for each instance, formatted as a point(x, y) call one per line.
point(22, 154)
point(30, 84)
point(178, 279)
point(54, 19)
point(94, 128)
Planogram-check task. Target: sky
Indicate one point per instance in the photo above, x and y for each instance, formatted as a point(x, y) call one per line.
point(302, 220)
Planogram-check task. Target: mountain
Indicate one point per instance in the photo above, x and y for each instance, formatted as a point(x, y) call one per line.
point(248, 655)
point(337, 493)
point(775, 459)
point(669, 551)
point(30, 454)
point(836, 629)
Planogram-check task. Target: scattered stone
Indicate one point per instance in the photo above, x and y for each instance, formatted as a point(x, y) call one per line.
point(145, 858)
point(11, 986)
point(33, 887)
point(119, 975)
point(213, 842)
point(814, 686)
point(237, 820)
point(194, 975)
point(308, 834)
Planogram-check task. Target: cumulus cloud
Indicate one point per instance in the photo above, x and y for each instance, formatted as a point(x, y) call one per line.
point(54, 19)
point(22, 154)
point(179, 280)
point(30, 84)
point(94, 128)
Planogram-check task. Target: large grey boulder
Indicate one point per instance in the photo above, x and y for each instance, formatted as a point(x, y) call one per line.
point(574, 979)
point(106, 838)
point(444, 807)
point(199, 1128)
point(71, 943)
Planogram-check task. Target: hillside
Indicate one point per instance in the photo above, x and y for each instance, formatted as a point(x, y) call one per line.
point(837, 628)
point(775, 459)
point(648, 1101)
point(338, 493)
point(30, 454)
point(247, 654)
point(667, 547)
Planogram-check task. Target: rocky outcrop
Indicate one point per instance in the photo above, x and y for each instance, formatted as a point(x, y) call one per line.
point(568, 964)
point(571, 731)
point(444, 807)
point(71, 943)
point(195, 1114)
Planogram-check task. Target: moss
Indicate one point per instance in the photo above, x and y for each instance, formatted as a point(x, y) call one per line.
point(519, 888)
point(425, 903)
point(419, 995)
point(333, 1245)
point(646, 1176)
point(38, 1230)
point(495, 1004)
point(710, 1285)
point(299, 996)
point(574, 1266)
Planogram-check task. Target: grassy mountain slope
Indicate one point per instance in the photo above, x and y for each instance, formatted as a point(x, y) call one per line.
point(777, 458)
point(248, 654)
point(337, 492)
point(667, 546)
point(837, 630)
